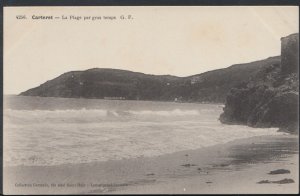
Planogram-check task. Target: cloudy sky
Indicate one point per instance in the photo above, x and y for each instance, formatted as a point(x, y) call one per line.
point(179, 41)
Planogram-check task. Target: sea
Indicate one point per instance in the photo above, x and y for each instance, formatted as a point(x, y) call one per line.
point(46, 131)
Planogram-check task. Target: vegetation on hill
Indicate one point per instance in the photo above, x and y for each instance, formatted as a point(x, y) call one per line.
point(211, 86)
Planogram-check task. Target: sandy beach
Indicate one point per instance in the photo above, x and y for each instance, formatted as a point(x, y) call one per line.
point(240, 166)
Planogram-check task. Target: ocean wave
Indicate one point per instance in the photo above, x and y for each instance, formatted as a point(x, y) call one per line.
point(72, 144)
point(112, 130)
point(97, 113)
point(175, 112)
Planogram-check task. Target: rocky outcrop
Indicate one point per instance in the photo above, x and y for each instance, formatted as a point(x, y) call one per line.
point(271, 97)
point(290, 54)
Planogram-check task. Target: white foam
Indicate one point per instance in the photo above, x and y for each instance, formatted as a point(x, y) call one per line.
point(44, 137)
point(175, 112)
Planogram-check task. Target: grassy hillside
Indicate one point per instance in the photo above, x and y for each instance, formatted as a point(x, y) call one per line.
point(211, 86)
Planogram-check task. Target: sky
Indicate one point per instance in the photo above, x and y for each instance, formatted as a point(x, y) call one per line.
point(179, 41)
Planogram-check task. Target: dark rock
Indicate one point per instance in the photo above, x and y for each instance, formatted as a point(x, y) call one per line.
point(281, 111)
point(150, 174)
point(284, 181)
point(279, 171)
point(188, 165)
point(264, 182)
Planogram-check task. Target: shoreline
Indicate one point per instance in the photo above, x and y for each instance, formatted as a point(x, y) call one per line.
point(211, 169)
point(183, 102)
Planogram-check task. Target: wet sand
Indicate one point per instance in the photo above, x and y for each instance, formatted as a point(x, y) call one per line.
point(240, 166)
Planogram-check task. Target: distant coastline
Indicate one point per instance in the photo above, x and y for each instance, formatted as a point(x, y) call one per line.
point(208, 87)
point(182, 102)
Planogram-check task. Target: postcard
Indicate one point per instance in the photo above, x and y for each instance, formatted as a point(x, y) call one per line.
point(151, 100)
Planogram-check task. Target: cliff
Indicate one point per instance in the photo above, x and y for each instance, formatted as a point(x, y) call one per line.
point(290, 54)
point(211, 86)
point(270, 98)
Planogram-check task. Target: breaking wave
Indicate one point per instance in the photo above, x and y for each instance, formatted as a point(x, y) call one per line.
point(90, 115)
point(111, 130)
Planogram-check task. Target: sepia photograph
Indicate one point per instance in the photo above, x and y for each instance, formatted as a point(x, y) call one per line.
point(150, 100)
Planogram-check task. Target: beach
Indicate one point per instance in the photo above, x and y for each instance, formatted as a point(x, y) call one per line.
point(239, 166)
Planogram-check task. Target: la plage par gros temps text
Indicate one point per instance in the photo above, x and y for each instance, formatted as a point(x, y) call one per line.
point(74, 17)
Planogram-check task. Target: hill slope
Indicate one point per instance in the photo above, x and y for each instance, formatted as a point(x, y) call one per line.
point(210, 86)
point(213, 86)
